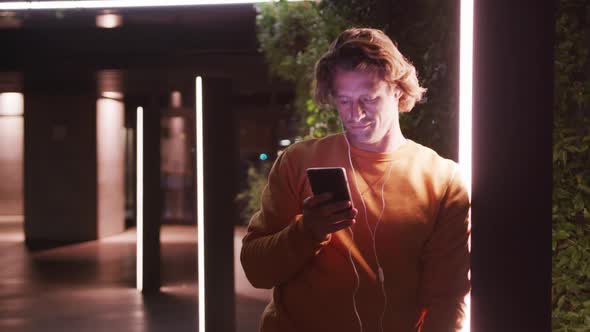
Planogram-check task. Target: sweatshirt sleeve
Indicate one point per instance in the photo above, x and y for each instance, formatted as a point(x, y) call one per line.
point(276, 246)
point(445, 262)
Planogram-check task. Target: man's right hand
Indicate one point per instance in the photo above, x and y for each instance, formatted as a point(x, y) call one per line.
point(323, 219)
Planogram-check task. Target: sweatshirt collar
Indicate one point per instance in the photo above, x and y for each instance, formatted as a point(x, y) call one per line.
point(381, 156)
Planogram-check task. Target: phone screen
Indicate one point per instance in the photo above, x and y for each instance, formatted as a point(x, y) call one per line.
point(329, 179)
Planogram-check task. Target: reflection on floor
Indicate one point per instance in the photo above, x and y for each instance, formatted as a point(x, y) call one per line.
point(91, 286)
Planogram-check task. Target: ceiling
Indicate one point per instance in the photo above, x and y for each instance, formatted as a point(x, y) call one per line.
point(153, 45)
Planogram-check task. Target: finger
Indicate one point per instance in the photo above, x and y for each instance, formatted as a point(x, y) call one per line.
point(322, 221)
point(340, 225)
point(348, 214)
point(309, 202)
point(336, 207)
point(316, 200)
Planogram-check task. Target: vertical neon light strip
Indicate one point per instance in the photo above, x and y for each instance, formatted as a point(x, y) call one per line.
point(466, 89)
point(200, 201)
point(139, 199)
point(465, 114)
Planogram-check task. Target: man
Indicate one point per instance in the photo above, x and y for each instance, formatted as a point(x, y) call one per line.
point(398, 260)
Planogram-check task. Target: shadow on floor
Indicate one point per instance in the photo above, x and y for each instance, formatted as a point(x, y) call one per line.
point(91, 286)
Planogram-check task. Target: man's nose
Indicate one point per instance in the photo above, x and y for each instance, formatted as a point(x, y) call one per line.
point(357, 112)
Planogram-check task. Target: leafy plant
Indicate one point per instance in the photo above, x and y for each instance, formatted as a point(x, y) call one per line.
point(249, 199)
point(571, 170)
point(427, 33)
point(292, 37)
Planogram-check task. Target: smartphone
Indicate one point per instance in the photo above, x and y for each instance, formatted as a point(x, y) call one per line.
point(329, 179)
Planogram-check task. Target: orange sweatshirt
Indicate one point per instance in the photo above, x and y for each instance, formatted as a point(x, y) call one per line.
point(421, 243)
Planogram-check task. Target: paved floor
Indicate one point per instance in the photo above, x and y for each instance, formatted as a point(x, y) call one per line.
point(90, 286)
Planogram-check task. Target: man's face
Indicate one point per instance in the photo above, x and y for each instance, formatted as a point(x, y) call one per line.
point(367, 106)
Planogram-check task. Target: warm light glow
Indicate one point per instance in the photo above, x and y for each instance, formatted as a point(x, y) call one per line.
point(7, 14)
point(176, 99)
point(110, 157)
point(345, 238)
point(139, 198)
point(12, 219)
point(12, 236)
point(11, 171)
point(466, 90)
point(11, 153)
point(112, 95)
point(200, 202)
point(109, 21)
point(12, 103)
point(9, 20)
point(465, 115)
point(23, 5)
point(109, 111)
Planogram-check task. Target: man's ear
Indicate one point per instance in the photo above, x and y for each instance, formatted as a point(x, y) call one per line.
point(397, 92)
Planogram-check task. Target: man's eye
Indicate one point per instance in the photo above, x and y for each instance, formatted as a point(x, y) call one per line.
point(370, 100)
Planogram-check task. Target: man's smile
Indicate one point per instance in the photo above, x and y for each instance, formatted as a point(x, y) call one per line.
point(359, 126)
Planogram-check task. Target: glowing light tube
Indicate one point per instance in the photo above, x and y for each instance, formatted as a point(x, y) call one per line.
point(80, 4)
point(466, 90)
point(12, 104)
point(139, 199)
point(465, 114)
point(200, 201)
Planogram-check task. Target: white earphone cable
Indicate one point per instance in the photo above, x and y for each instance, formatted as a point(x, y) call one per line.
point(381, 274)
point(358, 280)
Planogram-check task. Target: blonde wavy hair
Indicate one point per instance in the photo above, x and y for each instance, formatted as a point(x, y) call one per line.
point(370, 50)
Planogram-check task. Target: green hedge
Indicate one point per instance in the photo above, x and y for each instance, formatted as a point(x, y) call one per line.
point(571, 169)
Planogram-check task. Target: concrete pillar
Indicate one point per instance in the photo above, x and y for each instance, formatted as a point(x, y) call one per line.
point(110, 158)
point(67, 145)
point(152, 195)
point(220, 185)
point(11, 151)
point(11, 165)
point(512, 166)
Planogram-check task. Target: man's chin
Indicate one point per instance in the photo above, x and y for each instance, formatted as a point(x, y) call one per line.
point(360, 139)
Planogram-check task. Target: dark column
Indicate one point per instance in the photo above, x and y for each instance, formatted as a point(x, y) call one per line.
point(152, 196)
point(512, 165)
point(60, 187)
point(220, 182)
point(73, 160)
